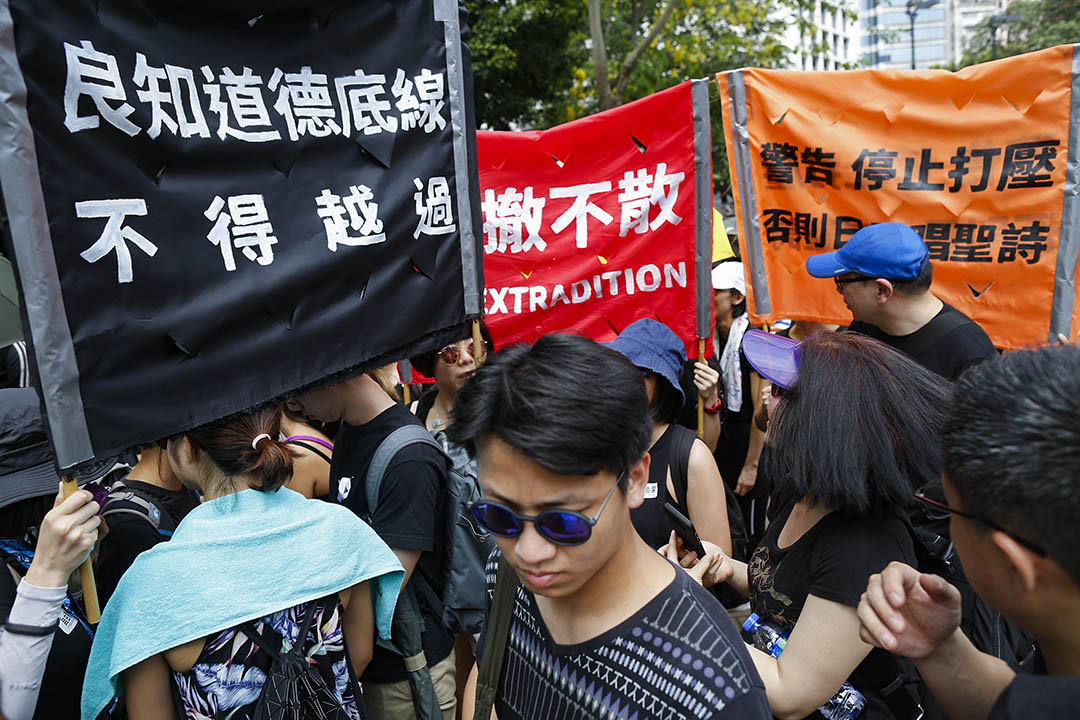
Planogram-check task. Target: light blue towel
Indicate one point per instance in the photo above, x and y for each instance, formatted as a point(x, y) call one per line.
point(233, 559)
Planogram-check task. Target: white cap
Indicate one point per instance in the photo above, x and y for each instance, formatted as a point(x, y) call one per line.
point(729, 276)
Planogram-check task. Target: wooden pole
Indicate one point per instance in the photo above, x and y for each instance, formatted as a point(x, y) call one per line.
point(700, 400)
point(477, 343)
point(86, 572)
point(405, 394)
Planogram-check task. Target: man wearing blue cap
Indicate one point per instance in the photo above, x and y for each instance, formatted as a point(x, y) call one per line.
point(884, 274)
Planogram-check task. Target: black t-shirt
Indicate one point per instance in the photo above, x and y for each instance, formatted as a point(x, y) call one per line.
point(66, 665)
point(409, 517)
point(962, 347)
point(130, 535)
point(679, 656)
point(649, 519)
point(832, 560)
point(1034, 694)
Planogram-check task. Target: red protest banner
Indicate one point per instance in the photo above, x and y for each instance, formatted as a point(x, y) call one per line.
point(593, 224)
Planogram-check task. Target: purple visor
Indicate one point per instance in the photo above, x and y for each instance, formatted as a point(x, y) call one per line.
point(775, 358)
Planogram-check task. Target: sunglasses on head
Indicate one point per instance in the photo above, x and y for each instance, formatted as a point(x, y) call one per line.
point(451, 354)
point(562, 527)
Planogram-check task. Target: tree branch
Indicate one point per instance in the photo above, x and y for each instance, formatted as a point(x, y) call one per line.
point(600, 60)
point(635, 54)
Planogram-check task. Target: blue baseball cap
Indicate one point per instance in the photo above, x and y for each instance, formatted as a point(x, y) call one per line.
point(652, 345)
point(886, 250)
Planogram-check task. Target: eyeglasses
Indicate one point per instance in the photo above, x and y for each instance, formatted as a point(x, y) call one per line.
point(778, 392)
point(841, 283)
point(451, 354)
point(562, 527)
point(922, 497)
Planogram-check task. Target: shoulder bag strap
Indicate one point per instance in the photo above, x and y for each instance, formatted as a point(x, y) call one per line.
point(270, 640)
point(312, 448)
point(384, 454)
point(681, 445)
point(496, 637)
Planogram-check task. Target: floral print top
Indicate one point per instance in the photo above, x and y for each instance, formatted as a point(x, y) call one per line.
point(227, 679)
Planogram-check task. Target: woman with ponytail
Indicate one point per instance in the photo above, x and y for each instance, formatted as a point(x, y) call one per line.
point(195, 624)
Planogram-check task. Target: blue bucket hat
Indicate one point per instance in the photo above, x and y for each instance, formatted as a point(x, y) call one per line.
point(885, 250)
point(652, 345)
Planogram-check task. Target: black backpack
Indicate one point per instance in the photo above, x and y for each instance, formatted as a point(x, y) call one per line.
point(988, 629)
point(131, 501)
point(294, 689)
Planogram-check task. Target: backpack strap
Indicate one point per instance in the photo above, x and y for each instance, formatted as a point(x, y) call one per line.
point(938, 327)
point(402, 437)
point(679, 462)
point(496, 637)
point(312, 448)
point(271, 642)
point(145, 507)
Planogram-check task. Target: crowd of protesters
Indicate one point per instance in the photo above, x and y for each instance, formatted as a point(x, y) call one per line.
point(877, 521)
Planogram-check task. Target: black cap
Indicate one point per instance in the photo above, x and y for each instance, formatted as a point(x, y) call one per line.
point(27, 466)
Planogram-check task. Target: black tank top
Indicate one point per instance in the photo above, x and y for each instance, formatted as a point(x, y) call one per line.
point(649, 519)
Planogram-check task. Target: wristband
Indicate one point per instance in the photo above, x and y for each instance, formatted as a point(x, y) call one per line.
point(715, 407)
point(32, 630)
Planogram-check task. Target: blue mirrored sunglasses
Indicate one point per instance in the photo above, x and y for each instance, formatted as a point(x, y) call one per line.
point(562, 527)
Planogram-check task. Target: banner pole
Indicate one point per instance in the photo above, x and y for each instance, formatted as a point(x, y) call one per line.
point(90, 597)
point(477, 343)
point(701, 400)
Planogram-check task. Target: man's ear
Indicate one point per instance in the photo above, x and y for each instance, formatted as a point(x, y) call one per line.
point(636, 480)
point(737, 297)
point(885, 290)
point(1023, 563)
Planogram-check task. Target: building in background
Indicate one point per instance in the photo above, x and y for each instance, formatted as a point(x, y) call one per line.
point(967, 16)
point(833, 45)
point(886, 35)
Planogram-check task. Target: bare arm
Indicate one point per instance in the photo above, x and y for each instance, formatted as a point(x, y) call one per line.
point(823, 650)
point(705, 498)
point(748, 476)
point(716, 567)
point(147, 692)
point(358, 624)
point(408, 560)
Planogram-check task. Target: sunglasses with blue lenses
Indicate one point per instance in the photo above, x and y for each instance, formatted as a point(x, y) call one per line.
point(562, 527)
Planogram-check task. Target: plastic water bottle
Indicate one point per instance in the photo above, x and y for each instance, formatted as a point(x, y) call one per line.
point(846, 704)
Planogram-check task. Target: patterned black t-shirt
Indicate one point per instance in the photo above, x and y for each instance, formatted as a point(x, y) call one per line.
point(680, 656)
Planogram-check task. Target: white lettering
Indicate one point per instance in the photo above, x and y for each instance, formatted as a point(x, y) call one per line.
point(585, 293)
point(537, 298)
point(648, 285)
point(559, 295)
point(674, 275)
point(612, 276)
point(498, 300)
point(517, 292)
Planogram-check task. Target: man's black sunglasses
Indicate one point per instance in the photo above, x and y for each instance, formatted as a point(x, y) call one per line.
point(922, 497)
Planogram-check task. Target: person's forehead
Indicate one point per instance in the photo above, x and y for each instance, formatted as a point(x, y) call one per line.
point(508, 474)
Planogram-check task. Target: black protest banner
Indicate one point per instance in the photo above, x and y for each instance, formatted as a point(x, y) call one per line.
point(211, 207)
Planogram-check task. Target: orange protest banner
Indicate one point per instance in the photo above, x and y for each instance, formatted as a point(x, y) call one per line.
point(981, 162)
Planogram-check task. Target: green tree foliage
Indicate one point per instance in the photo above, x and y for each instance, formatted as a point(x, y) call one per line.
point(541, 62)
point(1042, 24)
point(526, 56)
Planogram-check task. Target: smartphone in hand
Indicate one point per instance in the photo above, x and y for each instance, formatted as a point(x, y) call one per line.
point(684, 529)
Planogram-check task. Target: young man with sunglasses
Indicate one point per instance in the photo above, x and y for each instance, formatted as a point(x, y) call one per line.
point(408, 518)
point(602, 625)
point(1011, 450)
point(884, 273)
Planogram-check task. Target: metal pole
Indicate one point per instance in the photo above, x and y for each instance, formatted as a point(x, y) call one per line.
point(911, 16)
point(993, 40)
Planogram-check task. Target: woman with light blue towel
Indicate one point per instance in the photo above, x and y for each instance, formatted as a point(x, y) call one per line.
point(196, 623)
